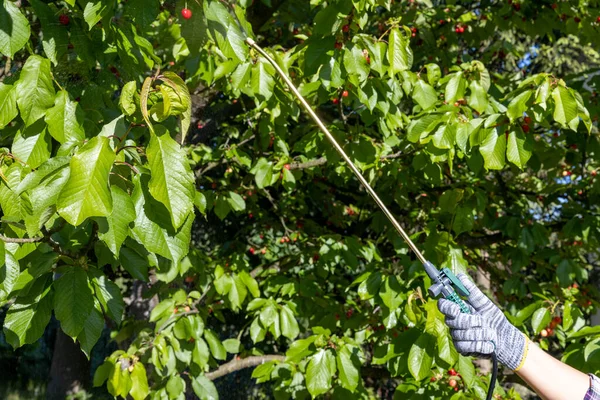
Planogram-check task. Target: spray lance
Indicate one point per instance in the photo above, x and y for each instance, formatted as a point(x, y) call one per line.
point(444, 282)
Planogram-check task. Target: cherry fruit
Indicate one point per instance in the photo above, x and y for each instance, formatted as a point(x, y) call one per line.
point(186, 13)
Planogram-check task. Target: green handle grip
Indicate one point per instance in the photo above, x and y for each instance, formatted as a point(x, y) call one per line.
point(455, 299)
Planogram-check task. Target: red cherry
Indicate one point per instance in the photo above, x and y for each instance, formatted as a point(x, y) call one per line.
point(186, 13)
point(525, 128)
point(432, 379)
point(345, 93)
point(345, 28)
point(527, 120)
point(452, 372)
point(594, 172)
point(287, 166)
point(554, 6)
point(338, 45)
point(452, 383)
point(335, 101)
point(413, 30)
point(555, 135)
point(442, 21)
point(63, 19)
point(251, 250)
point(598, 20)
point(577, 19)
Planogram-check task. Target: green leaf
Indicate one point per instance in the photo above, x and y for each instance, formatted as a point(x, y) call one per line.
point(172, 181)
point(519, 148)
point(433, 73)
point(73, 301)
point(114, 229)
point(216, 347)
point(478, 99)
point(445, 137)
point(585, 331)
point(86, 193)
point(262, 81)
point(233, 346)
point(565, 108)
point(263, 173)
point(55, 37)
point(153, 227)
point(237, 293)
point(182, 101)
point(139, 382)
point(356, 63)
point(288, 323)
point(35, 90)
point(319, 372)
point(445, 348)
point(15, 29)
point(466, 370)
point(250, 283)
point(110, 297)
point(463, 220)
point(222, 207)
point(391, 293)
point(92, 329)
point(455, 88)
point(347, 371)
point(424, 94)
point(224, 29)
point(420, 356)
point(236, 202)
point(127, 101)
point(94, 11)
point(65, 119)
point(300, 349)
point(518, 105)
point(204, 388)
point(8, 104)
point(540, 319)
point(32, 145)
point(493, 150)
point(399, 52)
point(26, 320)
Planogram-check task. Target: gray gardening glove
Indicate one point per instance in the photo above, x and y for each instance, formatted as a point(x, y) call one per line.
point(485, 331)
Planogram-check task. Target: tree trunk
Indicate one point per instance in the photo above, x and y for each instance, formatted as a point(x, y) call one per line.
point(70, 370)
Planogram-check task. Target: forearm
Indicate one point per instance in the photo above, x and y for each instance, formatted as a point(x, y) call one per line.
point(550, 378)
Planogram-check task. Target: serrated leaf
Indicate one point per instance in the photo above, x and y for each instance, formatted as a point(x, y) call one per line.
point(153, 226)
point(540, 319)
point(8, 104)
point(182, 102)
point(519, 148)
point(204, 388)
point(466, 370)
point(94, 11)
point(355, 63)
point(262, 81)
point(463, 220)
point(236, 202)
point(424, 94)
point(224, 29)
point(216, 347)
point(493, 150)
point(172, 181)
point(139, 382)
point(92, 329)
point(347, 371)
point(399, 53)
point(65, 119)
point(319, 372)
point(110, 297)
point(26, 320)
point(420, 356)
point(32, 145)
point(73, 301)
point(518, 105)
point(35, 89)
point(478, 99)
point(55, 37)
point(565, 108)
point(455, 88)
point(15, 38)
point(86, 193)
point(114, 229)
point(288, 323)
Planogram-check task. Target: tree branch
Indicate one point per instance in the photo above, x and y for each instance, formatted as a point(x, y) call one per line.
point(240, 363)
point(6, 239)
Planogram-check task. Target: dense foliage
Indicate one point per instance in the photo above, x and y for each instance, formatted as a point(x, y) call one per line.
point(146, 144)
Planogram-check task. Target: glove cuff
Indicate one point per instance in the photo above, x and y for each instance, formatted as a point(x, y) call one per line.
point(512, 351)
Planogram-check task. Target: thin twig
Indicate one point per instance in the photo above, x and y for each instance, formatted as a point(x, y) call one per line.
point(240, 363)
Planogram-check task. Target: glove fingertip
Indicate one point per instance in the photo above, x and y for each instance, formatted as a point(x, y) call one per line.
point(448, 308)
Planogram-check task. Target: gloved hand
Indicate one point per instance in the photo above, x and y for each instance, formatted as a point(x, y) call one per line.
point(485, 330)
